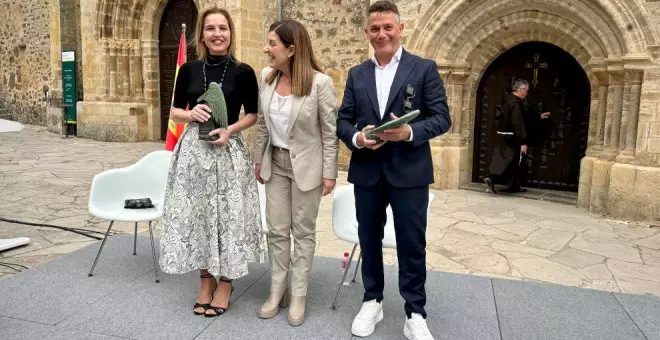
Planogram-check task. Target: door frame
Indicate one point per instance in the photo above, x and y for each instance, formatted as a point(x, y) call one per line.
point(481, 116)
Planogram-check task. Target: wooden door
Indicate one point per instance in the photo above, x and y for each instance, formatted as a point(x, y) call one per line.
point(176, 12)
point(557, 84)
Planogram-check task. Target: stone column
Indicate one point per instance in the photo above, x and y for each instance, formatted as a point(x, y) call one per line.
point(601, 111)
point(136, 70)
point(124, 71)
point(593, 114)
point(634, 83)
point(131, 70)
point(614, 109)
point(105, 83)
point(112, 70)
point(150, 70)
point(455, 86)
point(624, 114)
point(456, 80)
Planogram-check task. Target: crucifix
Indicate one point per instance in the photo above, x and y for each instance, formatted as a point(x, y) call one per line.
point(536, 65)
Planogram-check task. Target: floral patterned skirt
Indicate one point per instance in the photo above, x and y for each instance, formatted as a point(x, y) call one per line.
point(211, 217)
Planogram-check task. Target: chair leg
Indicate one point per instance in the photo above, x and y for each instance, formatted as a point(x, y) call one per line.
point(153, 251)
point(357, 266)
point(343, 277)
point(91, 272)
point(135, 240)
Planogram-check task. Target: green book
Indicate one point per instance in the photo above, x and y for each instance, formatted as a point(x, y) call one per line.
point(392, 124)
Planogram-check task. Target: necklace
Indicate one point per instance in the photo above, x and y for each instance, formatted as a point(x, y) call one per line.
point(222, 79)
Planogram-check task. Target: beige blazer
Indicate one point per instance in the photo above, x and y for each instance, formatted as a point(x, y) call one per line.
point(312, 129)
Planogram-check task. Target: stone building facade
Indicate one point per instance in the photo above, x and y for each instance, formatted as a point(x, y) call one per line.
point(615, 43)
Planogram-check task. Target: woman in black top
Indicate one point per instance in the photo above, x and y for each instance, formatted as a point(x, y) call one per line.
point(211, 219)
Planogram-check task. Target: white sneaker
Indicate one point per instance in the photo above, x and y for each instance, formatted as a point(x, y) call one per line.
point(415, 328)
point(365, 321)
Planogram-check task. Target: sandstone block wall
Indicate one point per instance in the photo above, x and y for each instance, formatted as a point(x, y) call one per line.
point(25, 59)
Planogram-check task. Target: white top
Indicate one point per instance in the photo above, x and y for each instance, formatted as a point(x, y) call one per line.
point(384, 79)
point(278, 113)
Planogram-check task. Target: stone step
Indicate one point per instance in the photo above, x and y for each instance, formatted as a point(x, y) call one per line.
point(562, 197)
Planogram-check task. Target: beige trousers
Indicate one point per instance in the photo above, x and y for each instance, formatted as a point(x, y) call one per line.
point(290, 211)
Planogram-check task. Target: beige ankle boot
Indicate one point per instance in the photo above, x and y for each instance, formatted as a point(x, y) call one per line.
point(297, 311)
point(272, 306)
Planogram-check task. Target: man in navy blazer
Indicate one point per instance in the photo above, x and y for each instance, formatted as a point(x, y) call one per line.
point(395, 169)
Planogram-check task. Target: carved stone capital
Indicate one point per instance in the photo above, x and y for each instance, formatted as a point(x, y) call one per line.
point(136, 45)
point(616, 76)
point(634, 77)
point(615, 71)
point(654, 50)
point(113, 45)
point(458, 77)
point(601, 76)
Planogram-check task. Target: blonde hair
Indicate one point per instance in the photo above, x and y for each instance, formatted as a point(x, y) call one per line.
point(303, 63)
point(202, 49)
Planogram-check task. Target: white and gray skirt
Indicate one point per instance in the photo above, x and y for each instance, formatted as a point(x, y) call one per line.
point(211, 217)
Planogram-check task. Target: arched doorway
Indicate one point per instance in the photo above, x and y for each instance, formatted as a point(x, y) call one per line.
point(557, 84)
point(176, 12)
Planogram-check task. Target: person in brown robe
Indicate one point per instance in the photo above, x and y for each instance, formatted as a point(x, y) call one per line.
point(511, 142)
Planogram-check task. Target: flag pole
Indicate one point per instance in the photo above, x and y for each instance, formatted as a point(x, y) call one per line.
point(174, 130)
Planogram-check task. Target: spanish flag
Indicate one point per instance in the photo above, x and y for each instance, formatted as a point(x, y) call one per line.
point(175, 130)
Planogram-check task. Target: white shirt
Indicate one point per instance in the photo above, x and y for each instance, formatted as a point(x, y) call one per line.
point(384, 79)
point(279, 111)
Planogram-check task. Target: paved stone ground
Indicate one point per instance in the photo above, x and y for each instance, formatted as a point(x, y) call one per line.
point(46, 179)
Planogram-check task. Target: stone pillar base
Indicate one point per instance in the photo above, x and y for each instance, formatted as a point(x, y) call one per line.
point(619, 190)
point(634, 192)
point(54, 119)
point(451, 166)
point(113, 122)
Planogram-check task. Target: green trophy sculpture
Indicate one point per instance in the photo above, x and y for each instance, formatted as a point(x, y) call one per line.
point(215, 99)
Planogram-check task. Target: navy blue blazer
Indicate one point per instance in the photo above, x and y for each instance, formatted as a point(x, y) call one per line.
point(404, 164)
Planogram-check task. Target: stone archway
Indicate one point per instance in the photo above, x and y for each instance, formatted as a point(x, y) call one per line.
point(558, 85)
point(128, 33)
point(121, 62)
point(610, 39)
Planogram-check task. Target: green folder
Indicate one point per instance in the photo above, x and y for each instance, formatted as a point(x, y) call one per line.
point(392, 124)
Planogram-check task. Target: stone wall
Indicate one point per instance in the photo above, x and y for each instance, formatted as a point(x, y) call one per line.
point(65, 36)
point(25, 59)
point(652, 8)
point(648, 136)
point(71, 39)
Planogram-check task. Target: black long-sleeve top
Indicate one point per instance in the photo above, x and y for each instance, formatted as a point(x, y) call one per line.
point(239, 85)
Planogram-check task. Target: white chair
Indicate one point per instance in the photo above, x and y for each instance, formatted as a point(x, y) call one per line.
point(146, 178)
point(345, 226)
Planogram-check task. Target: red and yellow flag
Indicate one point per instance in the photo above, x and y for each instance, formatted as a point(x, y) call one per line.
point(175, 130)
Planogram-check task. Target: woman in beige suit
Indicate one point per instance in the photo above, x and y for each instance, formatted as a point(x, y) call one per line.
point(296, 157)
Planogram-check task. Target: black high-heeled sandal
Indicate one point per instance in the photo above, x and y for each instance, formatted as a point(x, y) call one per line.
point(219, 310)
point(203, 305)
